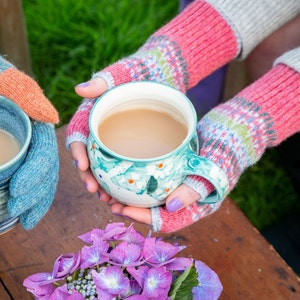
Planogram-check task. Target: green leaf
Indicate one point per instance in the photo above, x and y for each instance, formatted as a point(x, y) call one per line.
point(152, 185)
point(181, 288)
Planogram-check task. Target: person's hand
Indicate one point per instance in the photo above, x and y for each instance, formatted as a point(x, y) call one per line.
point(233, 135)
point(176, 55)
point(33, 186)
point(77, 134)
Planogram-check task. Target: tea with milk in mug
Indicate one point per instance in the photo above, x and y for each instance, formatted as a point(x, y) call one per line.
point(142, 133)
point(9, 147)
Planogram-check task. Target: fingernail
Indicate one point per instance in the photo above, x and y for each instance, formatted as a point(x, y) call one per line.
point(83, 84)
point(85, 185)
point(174, 205)
point(99, 194)
point(75, 163)
point(123, 216)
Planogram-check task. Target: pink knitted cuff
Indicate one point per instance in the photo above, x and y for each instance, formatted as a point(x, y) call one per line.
point(78, 128)
point(171, 222)
point(181, 53)
point(278, 94)
point(202, 186)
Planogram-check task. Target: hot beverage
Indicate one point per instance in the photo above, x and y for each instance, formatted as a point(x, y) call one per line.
point(9, 146)
point(142, 133)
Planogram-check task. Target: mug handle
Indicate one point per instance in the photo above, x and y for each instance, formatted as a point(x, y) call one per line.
point(201, 166)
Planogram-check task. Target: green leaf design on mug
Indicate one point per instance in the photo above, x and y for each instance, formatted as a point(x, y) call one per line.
point(152, 185)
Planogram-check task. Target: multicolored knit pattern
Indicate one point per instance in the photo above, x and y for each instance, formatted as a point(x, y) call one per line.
point(26, 93)
point(165, 221)
point(78, 128)
point(180, 54)
point(235, 134)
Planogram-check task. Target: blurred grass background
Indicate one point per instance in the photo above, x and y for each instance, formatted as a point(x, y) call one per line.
point(71, 39)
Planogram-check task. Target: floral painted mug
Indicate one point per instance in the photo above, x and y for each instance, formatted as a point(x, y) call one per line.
point(143, 143)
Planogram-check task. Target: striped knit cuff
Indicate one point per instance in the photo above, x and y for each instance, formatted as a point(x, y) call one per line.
point(254, 20)
point(235, 134)
point(187, 49)
point(291, 59)
point(199, 184)
point(78, 128)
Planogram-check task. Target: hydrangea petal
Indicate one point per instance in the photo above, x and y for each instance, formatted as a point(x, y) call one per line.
point(112, 280)
point(209, 287)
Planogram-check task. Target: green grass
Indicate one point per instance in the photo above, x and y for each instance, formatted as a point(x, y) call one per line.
point(71, 39)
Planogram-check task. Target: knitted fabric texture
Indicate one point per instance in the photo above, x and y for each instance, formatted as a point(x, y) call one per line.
point(26, 93)
point(180, 54)
point(234, 135)
point(33, 186)
point(254, 20)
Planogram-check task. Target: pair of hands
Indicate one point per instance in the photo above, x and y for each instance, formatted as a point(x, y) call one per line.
point(32, 187)
point(183, 194)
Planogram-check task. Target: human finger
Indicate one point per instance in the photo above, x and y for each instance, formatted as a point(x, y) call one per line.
point(181, 197)
point(92, 88)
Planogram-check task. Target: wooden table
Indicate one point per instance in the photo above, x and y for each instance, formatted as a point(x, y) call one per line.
point(247, 265)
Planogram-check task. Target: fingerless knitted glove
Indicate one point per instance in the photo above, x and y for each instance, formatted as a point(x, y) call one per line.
point(204, 37)
point(234, 135)
point(181, 53)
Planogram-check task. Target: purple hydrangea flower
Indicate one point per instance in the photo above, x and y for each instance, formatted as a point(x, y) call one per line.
point(119, 263)
point(66, 264)
point(179, 264)
point(39, 284)
point(95, 254)
point(158, 253)
point(92, 236)
point(133, 237)
point(209, 287)
point(126, 254)
point(139, 273)
point(111, 280)
point(114, 231)
point(155, 282)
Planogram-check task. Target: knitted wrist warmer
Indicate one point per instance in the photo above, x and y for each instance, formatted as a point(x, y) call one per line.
point(181, 53)
point(235, 134)
point(26, 93)
point(78, 128)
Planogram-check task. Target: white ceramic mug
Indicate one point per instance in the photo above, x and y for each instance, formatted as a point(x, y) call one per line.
point(147, 182)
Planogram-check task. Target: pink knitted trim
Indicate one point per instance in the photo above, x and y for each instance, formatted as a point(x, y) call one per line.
point(190, 47)
point(205, 38)
point(120, 72)
point(185, 217)
point(80, 120)
point(278, 94)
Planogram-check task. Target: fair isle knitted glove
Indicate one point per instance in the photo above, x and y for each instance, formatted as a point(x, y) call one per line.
point(179, 54)
point(33, 186)
point(205, 36)
point(234, 135)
